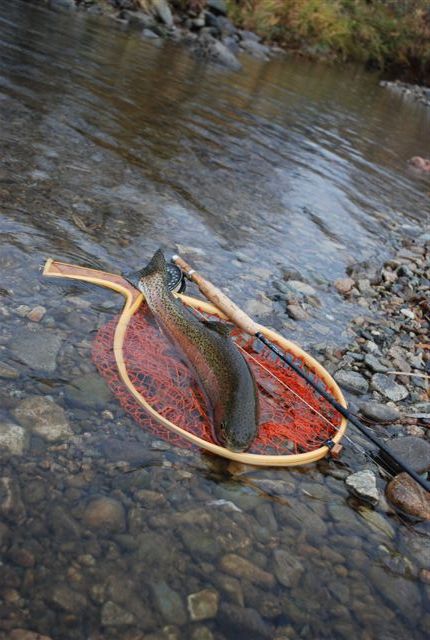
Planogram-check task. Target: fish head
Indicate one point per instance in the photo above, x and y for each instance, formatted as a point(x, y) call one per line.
point(237, 428)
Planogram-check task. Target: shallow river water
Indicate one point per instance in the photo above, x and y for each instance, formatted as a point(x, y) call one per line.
point(110, 148)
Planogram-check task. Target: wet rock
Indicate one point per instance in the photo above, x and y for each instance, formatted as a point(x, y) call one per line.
point(202, 633)
point(8, 372)
point(261, 306)
point(344, 285)
point(287, 568)
point(218, 7)
point(162, 11)
point(244, 621)
point(104, 514)
point(37, 349)
point(388, 388)
point(67, 599)
point(169, 603)
point(377, 522)
point(203, 605)
point(115, 616)
point(11, 505)
point(415, 452)
point(13, 439)
point(42, 416)
point(208, 47)
point(377, 412)
point(89, 391)
point(200, 544)
point(240, 568)
point(296, 312)
point(373, 364)
point(26, 634)
point(36, 314)
point(134, 453)
point(65, 5)
point(351, 381)
point(63, 524)
point(256, 49)
point(401, 593)
point(363, 485)
point(408, 496)
point(5, 536)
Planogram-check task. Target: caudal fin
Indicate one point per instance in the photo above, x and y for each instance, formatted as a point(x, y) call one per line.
point(157, 264)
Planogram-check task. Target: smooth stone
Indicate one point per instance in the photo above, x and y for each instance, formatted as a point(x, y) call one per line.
point(287, 568)
point(239, 567)
point(224, 56)
point(135, 453)
point(377, 522)
point(256, 49)
point(169, 603)
point(13, 439)
point(8, 372)
point(42, 416)
point(301, 287)
point(218, 7)
point(162, 11)
point(36, 314)
point(296, 312)
point(115, 616)
point(363, 485)
point(408, 496)
point(414, 451)
point(105, 514)
point(243, 622)
point(67, 599)
point(260, 306)
point(388, 388)
point(37, 349)
point(344, 285)
point(377, 412)
point(203, 605)
point(402, 594)
point(373, 364)
point(351, 381)
point(89, 391)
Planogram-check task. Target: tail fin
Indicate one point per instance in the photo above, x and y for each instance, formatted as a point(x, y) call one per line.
point(157, 264)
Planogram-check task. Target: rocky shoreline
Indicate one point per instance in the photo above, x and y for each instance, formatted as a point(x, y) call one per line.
point(413, 92)
point(208, 33)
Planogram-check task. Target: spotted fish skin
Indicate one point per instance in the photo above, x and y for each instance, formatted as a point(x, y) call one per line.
point(221, 370)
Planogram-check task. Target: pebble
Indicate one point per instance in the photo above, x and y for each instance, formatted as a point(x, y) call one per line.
point(105, 514)
point(408, 496)
point(363, 485)
point(203, 605)
point(241, 568)
point(42, 416)
point(13, 439)
point(351, 381)
point(386, 386)
point(377, 412)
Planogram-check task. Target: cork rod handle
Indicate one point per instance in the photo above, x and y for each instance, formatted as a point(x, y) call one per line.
point(218, 298)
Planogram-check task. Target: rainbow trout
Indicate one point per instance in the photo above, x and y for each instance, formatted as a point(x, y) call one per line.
point(220, 368)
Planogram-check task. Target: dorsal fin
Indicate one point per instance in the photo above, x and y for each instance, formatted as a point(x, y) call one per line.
point(216, 325)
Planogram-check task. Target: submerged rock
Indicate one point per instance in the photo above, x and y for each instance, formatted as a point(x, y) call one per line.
point(8, 372)
point(13, 439)
point(89, 391)
point(115, 616)
point(241, 568)
point(37, 348)
point(169, 603)
point(42, 416)
point(408, 496)
point(402, 594)
point(363, 485)
point(105, 513)
point(203, 605)
point(245, 622)
point(287, 568)
point(11, 505)
point(26, 634)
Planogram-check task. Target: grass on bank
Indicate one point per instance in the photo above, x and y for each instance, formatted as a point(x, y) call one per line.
point(377, 32)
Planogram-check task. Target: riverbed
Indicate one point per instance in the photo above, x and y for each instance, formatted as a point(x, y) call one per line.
point(112, 146)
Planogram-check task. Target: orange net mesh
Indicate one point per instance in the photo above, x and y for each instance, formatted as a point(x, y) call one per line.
point(287, 424)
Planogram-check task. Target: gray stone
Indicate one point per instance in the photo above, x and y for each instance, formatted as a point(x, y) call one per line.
point(287, 568)
point(169, 603)
point(296, 312)
point(415, 452)
point(351, 381)
point(258, 51)
point(221, 54)
point(244, 622)
point(388, 388)
point(377, 412)
point(105, 514)
point(162, 11)
point(89, 391)
point(8, 372)
point(203, 605)
point(373, 363)
point(66, 5)
point(37, 348)
point(402, 594)
point(363, 485)
point(218, 7)
point(115, 616)
point(302, 288)
point(42, 416)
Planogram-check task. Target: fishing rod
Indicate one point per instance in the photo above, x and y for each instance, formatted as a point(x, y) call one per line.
point(244, 322)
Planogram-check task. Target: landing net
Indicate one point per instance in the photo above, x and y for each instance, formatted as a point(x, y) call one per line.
point(288, 424)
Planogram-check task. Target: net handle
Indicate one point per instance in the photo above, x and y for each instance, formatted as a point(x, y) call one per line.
point(133, 300)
